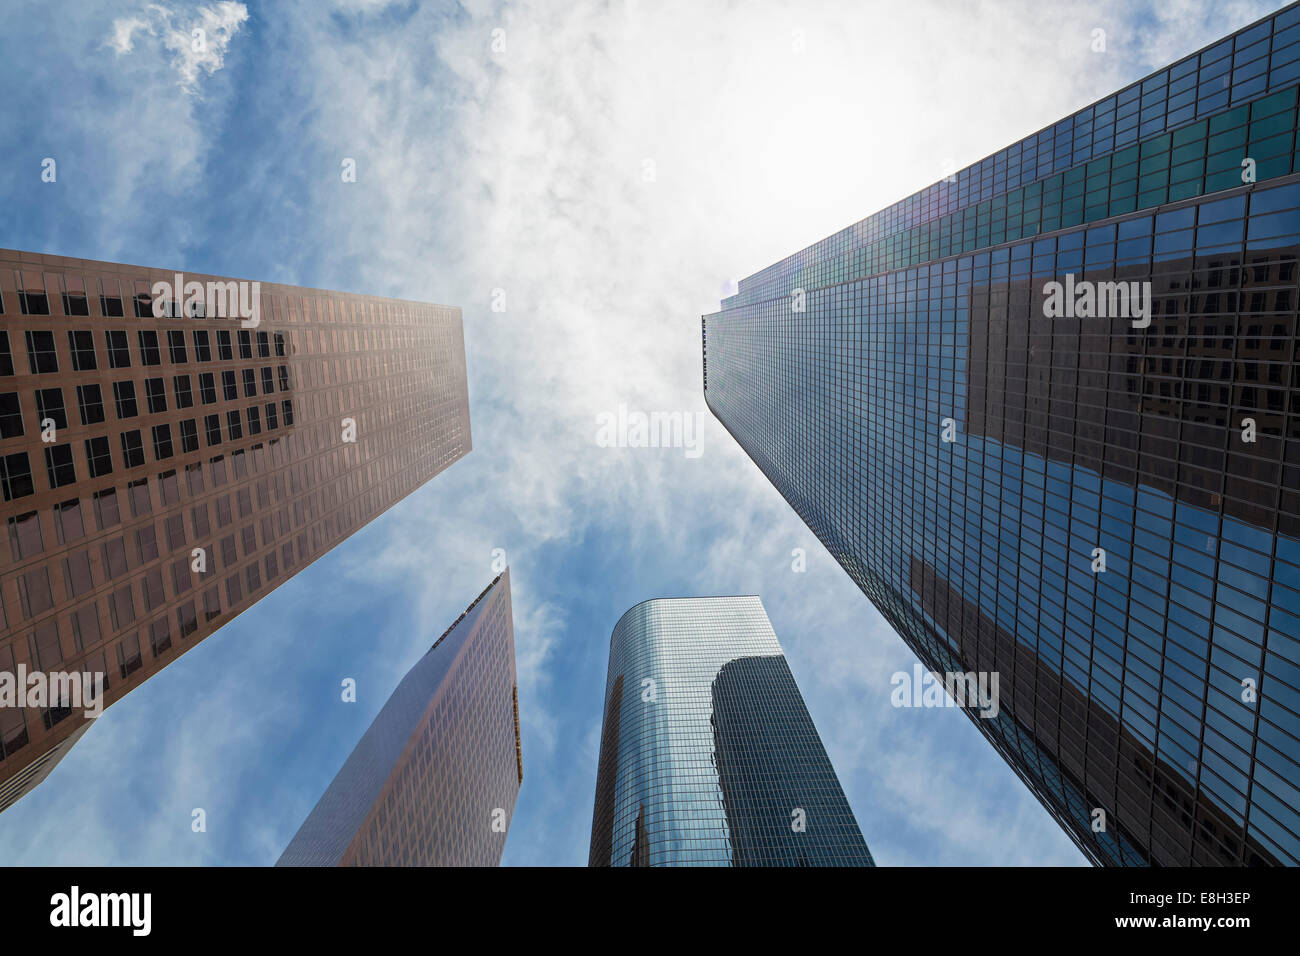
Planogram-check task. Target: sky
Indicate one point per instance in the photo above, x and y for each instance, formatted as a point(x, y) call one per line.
point(606, 171)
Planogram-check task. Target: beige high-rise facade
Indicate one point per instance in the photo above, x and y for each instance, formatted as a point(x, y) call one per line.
point(164, 465)
point(434, 779)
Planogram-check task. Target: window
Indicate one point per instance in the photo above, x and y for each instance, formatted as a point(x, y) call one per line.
point(49, 405)
point(155, 395)
point(207, 388)
point(169, 487)
point(268, 382)
point(6, 356)
point(181, 387)
point(59, 467)
point(128, 652)
point(199, 516)
point(212, 426)
point(77, 574)
point(151, 588)
point(106, 510)
point(124, 399)
point(68, 525)
point(176, 347)
point(16, 476)
point(98, 457)
point(74, 295)
point(25, 535)
point(287, 407)
point(211, 604)
point(146, 542)
point(254, 420)
point(263, 345)
point(149, 354)
point(110, 299)
point(114, 552)
point(90, 402)
point(233, 425)
point(224, 353)
point(229, 388)
point(34, 593)
point(160, 638)
point(48, 655)
point(250, 383)
point(245, 344)
point(189, 435)
point(32, 299)
point(272, 419)
point(162, 442)
point(119, 354)
point(82, 346)
point(174, 527)
point(11, 416)
point(284, 377)
point(279, 344)
point(85, 628)
point(186, 620)
point(132, 449)
point(143, 300)
point(138, 494)
point(202, 347)
point(41, 357)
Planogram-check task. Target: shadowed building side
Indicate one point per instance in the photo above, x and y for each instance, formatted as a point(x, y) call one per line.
point(780, 792)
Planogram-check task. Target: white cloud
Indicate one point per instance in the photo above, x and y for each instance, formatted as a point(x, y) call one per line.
point(196, 43)
point(123, 29)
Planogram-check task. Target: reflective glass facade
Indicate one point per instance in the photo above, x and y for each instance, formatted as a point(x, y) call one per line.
point(963, 456)
point(161, 474)
point(434, 779)
point(708, 756)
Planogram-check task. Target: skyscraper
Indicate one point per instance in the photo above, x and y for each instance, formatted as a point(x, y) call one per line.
point(434, 779)
point(161, 473)
point(708, 756)
point(1099, 500)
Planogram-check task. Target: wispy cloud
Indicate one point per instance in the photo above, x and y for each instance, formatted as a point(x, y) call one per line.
point(195, 41)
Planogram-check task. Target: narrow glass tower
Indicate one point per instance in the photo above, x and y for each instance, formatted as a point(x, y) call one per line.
point(708, 756)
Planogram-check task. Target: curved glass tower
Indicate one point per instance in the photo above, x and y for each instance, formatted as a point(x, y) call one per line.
point(708, 756)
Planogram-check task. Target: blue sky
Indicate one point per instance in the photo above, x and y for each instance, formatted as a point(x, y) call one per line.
point(610, 167)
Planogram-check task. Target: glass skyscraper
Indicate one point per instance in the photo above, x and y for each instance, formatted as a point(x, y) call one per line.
point(434, 779)
point(708, 756)
point(1100, 503)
